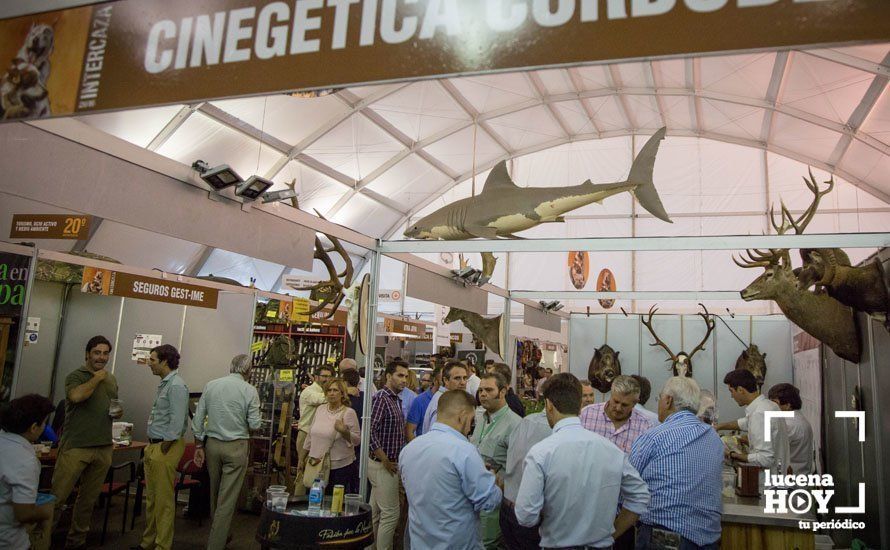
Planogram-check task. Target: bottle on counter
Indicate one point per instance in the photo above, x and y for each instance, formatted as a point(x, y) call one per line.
point(316, 495)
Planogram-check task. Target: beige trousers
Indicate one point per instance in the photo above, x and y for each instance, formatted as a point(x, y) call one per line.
point(226, 464)
point(302, 456)
point(90, 466)
point(384, 504)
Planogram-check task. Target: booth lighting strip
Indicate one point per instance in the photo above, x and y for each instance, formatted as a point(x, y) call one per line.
point(730, 242)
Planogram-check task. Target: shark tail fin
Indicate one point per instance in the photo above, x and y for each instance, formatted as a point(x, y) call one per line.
point(641, 174)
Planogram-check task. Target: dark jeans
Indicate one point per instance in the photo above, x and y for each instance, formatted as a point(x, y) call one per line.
point(347, 476)
point(645, 541)
point(515, 536)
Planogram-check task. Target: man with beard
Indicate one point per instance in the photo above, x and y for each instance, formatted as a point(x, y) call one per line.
point(494, 425)
point(454, 377)
point(86, 447)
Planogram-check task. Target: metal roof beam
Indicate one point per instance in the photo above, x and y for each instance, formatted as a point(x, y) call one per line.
point(878, 69)
point(172, 125)
point(471, 111)
point(660, 244)
point(659, 295)
point(538, 86)
point(857, 118)
point(614, 77)
point(653, 83)
point(693, 83)
point(578, 87)
point(773, 91)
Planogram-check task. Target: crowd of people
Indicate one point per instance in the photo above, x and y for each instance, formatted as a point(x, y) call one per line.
point(453, 460)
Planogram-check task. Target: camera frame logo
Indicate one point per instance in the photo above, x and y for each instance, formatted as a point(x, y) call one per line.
point(810, 494)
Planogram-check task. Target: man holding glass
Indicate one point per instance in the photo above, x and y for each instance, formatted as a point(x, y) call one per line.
point(86, 447)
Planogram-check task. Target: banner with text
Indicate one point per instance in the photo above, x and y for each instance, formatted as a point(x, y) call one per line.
point(14, 271)
point(50, 226)
point(112, 283)
point(125, 54)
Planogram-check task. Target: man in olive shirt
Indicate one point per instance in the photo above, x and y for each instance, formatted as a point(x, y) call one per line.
point(494, 424)
point(85, 449)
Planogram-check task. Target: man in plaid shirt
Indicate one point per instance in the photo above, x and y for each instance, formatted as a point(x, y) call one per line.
point(387, 440)
point(618, 421)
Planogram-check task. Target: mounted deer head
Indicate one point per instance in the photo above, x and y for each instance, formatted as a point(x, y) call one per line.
point(681, 363)
point(330, 292)
point(820, 315)
point(487, 330)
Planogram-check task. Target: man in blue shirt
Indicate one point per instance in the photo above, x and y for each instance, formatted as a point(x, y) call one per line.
point(414, 424)
point(166, 426)
point(445, 480)
point(574, 479)
point(681, 460)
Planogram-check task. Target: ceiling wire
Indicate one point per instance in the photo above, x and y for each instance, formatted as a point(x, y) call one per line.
point(262, 133)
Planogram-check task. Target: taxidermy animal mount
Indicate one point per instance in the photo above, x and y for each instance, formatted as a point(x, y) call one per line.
point(819, 314)
point(503, 209)
point(681, 363)
point(864, 288)
point(330, 292)
point(487, 330)
point(604, 367)
point(752, 360)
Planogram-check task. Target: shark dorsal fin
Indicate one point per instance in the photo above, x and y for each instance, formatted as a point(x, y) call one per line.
point(498, 179)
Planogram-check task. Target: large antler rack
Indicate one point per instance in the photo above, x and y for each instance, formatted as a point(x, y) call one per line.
point(773, 256)
point(331, 291)
point(658, 341)
point(710, 324)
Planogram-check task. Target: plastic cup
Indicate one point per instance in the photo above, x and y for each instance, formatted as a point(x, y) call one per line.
point(271, 491)
point(279, 501)
point(352, 504)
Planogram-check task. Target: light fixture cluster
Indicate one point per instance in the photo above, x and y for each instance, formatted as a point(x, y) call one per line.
point(550, 307)
point(223, 176)
point(469, 276)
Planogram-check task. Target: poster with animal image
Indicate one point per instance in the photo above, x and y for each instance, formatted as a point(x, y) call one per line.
point(605, 282)
point(41, 57)
point(96, 280)
point(579, 269)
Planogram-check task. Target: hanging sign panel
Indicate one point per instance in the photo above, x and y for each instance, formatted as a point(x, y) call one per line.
point(125, 54)
point(50, 226)
point(113, 283)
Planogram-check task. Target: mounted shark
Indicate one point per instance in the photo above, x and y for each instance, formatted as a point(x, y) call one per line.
point(504, 209)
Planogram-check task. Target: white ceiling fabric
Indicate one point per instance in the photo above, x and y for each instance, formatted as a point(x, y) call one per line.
point(741, 131)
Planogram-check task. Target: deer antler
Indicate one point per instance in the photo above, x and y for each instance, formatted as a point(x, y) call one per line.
point(710, 323)
point(658, 342)
point(330, 292)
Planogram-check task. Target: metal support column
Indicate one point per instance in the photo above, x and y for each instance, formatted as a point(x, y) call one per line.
point(369, 371)
point(509, 357)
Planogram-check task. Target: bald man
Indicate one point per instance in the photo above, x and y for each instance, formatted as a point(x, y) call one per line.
point(445, 479)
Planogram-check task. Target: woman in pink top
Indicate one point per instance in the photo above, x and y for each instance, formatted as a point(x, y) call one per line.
point(335, 430)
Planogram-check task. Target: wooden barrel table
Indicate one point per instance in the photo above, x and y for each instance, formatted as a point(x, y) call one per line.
point(296, 529)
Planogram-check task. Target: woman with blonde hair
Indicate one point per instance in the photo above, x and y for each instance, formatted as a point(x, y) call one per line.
point(333, 436)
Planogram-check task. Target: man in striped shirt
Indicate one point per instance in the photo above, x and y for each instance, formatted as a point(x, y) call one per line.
point(681, 460)
point(616, 419)
point(387, 440)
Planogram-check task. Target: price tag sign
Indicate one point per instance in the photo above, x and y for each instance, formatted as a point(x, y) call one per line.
point(286, 375)
point(50, 226)
point(257, 346)
point(299, 312)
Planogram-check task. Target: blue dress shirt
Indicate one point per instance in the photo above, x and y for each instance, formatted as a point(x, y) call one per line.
point(169, 413)
point(418, 411)
point(407, 396)
point(571, 485)
point(447, 486)
point(681, 460)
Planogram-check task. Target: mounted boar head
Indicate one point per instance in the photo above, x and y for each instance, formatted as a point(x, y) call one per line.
point(752, 360)
point(681, 363)
point(603, 368)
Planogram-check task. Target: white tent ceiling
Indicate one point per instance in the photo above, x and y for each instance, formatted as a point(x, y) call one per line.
point(741, 131)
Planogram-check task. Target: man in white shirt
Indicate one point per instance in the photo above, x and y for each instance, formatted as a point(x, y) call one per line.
point(772, 455)
point(645, 392)
point(310, 398)
point(473, 380)
point(574, 479)
point(530, 430)
point(800, 433)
